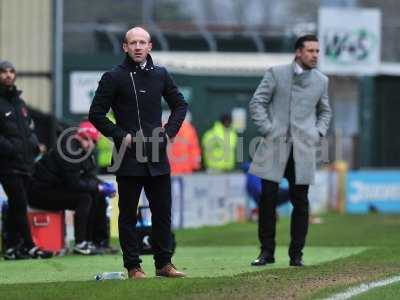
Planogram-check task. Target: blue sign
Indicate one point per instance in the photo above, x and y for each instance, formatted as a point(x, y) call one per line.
point(373, 191)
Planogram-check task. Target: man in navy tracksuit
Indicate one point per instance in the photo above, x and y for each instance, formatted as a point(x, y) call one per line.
point(133, 91)
point(18, 148)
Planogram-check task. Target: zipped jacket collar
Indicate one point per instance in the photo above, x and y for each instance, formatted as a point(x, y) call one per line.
point(131, 65)
point(9, 93)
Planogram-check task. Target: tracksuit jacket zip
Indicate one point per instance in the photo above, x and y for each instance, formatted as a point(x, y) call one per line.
point(138, 115)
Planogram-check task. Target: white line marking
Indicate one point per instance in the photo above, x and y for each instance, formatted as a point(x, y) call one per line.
point(362, 288)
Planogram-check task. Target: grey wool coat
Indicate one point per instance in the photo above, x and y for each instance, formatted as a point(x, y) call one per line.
point(289, 110)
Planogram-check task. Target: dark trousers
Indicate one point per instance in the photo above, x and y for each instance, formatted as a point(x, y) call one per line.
point(267, 213)
point(15, 186)
point(61, 199)
point(99, 224)
point(158, 192)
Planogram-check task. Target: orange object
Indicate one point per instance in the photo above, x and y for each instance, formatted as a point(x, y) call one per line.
point(184, 153)
point(47, 229)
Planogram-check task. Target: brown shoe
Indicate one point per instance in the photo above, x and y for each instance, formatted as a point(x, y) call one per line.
point(136, 273)
point(169, 270)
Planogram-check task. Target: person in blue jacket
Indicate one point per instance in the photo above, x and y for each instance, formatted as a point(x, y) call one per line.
point(253, 188)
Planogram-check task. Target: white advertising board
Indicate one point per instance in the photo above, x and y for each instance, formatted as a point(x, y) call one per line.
point(82, 86)
point(350, 40)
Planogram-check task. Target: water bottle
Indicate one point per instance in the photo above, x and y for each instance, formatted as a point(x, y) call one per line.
point(110, 275)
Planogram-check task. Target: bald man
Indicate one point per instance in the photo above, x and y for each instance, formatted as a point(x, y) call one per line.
point(133, 90)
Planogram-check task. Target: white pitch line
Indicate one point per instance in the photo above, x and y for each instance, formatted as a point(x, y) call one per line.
point(362, 288)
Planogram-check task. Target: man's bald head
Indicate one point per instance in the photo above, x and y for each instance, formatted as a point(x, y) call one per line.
point(137, 44)
point(137, 31)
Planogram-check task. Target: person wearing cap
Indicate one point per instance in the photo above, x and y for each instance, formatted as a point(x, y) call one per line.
point(19, 147)
point(134, 91)
point(65, 178)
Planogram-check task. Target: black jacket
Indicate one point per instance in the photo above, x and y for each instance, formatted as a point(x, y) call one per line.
point(18, 144)
point(60, 168)
point(118, 89)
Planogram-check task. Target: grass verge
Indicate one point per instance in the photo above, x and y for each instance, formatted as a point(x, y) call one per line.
point(369, 247)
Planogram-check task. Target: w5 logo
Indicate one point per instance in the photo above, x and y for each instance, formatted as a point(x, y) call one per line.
point(349, 46)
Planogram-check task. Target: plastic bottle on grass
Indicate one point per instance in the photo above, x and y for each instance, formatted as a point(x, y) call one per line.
point(110, 276)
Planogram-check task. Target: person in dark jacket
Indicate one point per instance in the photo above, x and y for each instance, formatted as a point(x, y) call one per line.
point(18, 148)
point(133, 91)
point(65, 178)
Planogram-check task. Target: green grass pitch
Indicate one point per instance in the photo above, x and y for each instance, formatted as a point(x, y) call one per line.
point(342, 252)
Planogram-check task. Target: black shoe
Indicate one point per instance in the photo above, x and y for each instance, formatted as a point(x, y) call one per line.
point(296, 262)
point(105, 248)
point(108, 250)
point(84, 248)
point(14, 254)
point(95, 249)
point(263, 259)
point(36, 252)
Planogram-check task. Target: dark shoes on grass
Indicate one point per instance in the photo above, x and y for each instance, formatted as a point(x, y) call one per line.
point(296, 262)
point(263, 259)
point(22, 253)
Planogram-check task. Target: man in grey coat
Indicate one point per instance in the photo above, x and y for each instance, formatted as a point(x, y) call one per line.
point(290, 108)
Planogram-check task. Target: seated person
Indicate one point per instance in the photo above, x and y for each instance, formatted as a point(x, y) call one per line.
point(64, 178)
point(253, 189)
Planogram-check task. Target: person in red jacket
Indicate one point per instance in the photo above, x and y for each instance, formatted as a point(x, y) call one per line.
point(184, 153)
